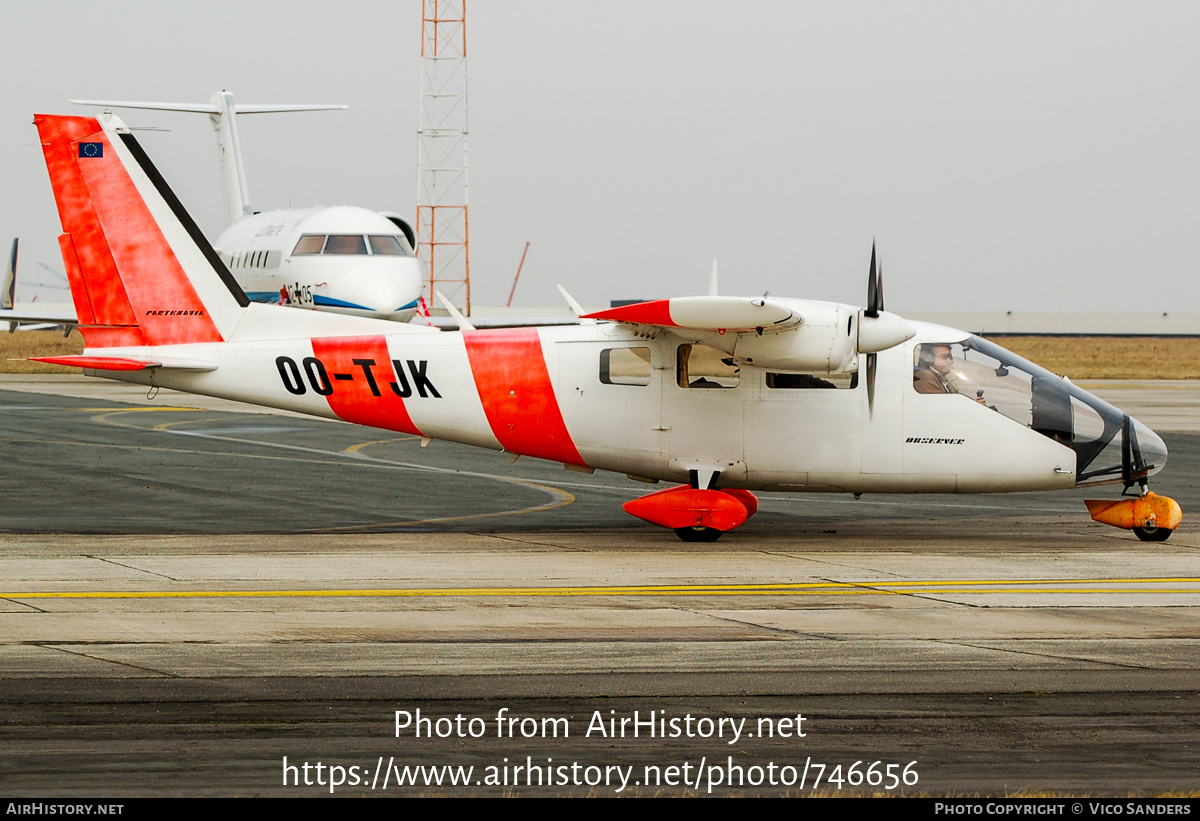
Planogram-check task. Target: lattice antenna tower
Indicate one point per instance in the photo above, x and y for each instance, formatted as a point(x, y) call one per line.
point(442, 153)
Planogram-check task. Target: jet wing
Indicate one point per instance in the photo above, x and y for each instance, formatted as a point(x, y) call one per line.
point(25, 316)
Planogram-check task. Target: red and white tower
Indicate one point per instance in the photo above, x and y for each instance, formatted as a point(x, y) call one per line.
point(442, 153)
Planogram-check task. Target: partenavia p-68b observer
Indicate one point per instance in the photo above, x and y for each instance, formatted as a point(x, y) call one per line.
point(724, 395)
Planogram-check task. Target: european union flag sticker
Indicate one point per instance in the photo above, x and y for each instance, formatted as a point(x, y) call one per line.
point(91, 149)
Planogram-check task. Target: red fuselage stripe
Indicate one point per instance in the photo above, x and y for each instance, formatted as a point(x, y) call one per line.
point(518, 398)
point(369, 395)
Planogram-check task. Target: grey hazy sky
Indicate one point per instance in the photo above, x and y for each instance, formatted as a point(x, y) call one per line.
point(1020, 156)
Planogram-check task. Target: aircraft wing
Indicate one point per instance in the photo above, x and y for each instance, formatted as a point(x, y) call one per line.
point(25, 316)
point(449, 323)
point(771, 332)
point(707, 313)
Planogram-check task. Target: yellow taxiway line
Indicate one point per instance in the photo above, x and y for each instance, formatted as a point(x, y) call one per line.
point(875, 588)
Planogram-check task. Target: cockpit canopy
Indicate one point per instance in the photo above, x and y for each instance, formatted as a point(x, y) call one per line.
point(350, 244)
point(1110, 446)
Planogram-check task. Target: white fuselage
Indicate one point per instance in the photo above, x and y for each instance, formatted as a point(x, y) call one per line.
point(486, 388)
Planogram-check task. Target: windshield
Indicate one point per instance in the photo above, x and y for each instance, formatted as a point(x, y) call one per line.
point(349, 244)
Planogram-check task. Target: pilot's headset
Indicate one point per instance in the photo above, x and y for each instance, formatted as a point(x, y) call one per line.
point(926, 357)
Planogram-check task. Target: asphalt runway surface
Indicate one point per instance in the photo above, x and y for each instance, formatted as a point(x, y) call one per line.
point(192, 594)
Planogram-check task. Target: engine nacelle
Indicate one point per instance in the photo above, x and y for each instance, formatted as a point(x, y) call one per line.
point(402, 223)
point(822, 343)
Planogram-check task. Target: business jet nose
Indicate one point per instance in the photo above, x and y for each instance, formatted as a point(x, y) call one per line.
point(386, 297)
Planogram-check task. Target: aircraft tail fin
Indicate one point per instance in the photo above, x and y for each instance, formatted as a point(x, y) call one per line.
point(8, 298)
point(140, 271)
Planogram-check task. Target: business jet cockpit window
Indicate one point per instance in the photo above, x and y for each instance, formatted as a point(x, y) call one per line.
point(345, 244)
point(309, 244)
point(385, 245)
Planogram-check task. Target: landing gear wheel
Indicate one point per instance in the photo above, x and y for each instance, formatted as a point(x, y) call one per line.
point(698, 534)
point(1153, 534)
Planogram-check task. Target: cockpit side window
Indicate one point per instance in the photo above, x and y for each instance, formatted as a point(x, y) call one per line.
point(309, 244)
point(345, 244)
point(387, 245)
point(933, 369)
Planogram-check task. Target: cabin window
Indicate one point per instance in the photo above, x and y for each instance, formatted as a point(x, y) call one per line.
point(387, 245)
point(625, 366)
point(309, 244)
point(698, 366)
point(345, 244)
point(811, 381)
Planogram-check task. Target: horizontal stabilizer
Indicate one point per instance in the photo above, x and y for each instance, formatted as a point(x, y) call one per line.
point(123, 363)
point(46, 317)
point(207, 108)
point(716, 313)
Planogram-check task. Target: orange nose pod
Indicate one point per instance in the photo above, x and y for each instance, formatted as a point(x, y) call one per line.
point(1149, 511)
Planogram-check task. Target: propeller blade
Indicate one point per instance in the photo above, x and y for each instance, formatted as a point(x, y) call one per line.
point(871, 384)
point(874, 297)
point(879, 286)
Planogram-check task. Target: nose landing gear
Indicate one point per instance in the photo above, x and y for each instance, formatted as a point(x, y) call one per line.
point(1151, 517)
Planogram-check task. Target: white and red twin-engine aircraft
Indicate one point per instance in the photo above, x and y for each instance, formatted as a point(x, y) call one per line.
point(726, 394)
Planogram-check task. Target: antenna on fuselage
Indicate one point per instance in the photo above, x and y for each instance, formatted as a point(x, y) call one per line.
point(221, 110)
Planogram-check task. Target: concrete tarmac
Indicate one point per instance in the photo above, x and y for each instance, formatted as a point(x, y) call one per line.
point(190, 594)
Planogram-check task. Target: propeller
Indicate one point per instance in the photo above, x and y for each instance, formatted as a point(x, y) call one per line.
point(874, 286)
point(878, 330)
point(874, 306)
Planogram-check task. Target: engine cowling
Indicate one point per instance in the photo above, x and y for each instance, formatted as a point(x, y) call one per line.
point(878, 333)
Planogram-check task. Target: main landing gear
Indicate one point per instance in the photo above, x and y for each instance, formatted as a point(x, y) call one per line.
point(695, 514)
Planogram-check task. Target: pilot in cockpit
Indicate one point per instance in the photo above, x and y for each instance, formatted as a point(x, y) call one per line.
point(934, 365)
